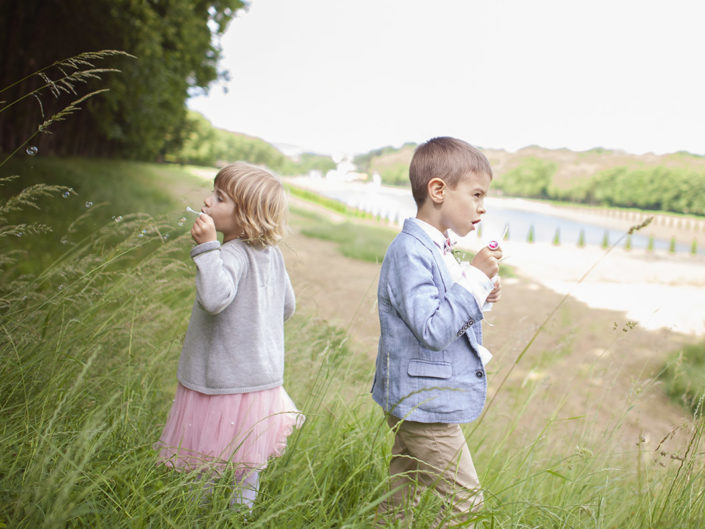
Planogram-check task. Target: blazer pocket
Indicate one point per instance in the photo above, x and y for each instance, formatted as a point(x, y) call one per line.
point(425, 368)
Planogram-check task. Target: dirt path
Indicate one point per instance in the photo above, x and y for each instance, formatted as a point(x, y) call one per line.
point(340, 290)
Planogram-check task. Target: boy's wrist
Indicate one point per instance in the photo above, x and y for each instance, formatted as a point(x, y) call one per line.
point(476, 282)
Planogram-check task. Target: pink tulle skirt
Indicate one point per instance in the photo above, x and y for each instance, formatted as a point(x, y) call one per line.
point(211, 431)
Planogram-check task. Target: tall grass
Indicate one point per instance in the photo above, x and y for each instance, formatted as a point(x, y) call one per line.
point(89, 347)
point(684, 375)
point(357, 241)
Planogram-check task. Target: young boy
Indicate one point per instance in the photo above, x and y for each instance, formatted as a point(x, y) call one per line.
point(430, 372)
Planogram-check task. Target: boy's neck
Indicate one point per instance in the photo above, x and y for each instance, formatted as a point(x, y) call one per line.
point(430, 216)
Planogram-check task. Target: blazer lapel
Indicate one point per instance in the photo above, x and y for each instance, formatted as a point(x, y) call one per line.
point(413, 229)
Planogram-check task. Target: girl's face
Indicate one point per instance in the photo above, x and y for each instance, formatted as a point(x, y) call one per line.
point(221, 208)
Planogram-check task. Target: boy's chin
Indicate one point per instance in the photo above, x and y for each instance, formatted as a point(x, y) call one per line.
point(470, 230)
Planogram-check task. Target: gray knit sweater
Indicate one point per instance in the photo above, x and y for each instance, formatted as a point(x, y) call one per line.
point(235, 338)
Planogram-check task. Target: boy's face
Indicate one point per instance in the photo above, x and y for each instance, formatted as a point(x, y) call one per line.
point(221, 208)
point(464, 205)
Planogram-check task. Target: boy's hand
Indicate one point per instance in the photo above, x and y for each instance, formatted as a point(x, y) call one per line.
point(496, 293)
point(203, 229)
point(488, 261)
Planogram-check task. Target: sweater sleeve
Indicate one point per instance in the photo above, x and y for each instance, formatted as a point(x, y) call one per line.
point(217, 276)
point(289, 298)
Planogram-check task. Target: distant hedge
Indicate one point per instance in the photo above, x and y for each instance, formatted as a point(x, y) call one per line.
point(531, 179)
point(661, 188)
point(676, 189)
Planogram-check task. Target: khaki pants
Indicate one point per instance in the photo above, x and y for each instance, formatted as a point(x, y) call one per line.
point(432, 456)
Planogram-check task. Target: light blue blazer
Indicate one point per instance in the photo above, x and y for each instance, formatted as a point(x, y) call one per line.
point(427, 369)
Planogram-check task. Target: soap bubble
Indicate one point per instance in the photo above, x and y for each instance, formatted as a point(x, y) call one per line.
point(89, 204)
point(31, 150)
point(66, 194)
point(19, 234)
point(118, 218)
point(64, 241)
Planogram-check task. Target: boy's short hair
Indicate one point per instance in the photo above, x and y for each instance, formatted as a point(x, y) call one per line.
point(446, 158)
point(260, 202)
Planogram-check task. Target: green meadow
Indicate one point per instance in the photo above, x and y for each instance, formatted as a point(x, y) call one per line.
point(92, 316)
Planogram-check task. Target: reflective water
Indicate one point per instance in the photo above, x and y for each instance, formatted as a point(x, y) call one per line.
point(396, 204)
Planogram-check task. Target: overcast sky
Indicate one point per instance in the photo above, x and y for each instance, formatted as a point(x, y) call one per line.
point(343, 76)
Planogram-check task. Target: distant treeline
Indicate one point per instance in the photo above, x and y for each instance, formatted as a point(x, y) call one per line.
point(676, 189)
point(674, 183)
point(203, 144)
point(384, 161)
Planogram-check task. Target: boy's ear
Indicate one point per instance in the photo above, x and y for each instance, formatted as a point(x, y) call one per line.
point(436, 190)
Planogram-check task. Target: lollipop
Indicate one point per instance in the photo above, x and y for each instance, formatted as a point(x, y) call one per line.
point(494, 244)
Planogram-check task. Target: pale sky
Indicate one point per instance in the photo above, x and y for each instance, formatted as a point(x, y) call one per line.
point(343, 76)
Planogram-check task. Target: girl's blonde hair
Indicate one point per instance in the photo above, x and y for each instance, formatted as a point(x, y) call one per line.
point(260, 202)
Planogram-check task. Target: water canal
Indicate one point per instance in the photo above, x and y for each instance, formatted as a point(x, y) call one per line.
point(521, 216)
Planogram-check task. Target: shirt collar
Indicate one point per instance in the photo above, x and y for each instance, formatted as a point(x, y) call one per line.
point(434, 233)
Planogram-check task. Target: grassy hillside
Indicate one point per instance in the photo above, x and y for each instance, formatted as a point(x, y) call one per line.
point(90, 340)
point(391, 164)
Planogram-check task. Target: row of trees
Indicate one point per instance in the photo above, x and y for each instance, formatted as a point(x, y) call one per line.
point(676, 189)
point(531, 179)
point(204, 144)
point(174, 44)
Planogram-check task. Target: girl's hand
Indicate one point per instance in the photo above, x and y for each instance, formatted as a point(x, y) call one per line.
point(496, 293)
point(203, 229)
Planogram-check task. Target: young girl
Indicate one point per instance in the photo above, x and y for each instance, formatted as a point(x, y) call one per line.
point(230, 405)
